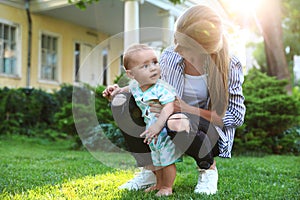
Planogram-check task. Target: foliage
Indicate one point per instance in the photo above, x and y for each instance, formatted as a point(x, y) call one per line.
point(102, 107)
point(23, 110)
point(104, 137)
point(289, 141)
point(291, 27)
point(80, 115)
point(122, 80)
point(260, 56)
point(291, 36)
point(270, 112)
point(64, 94)
point(82, 4)
point(10, 119)
point(35, 169)
point(34, 112)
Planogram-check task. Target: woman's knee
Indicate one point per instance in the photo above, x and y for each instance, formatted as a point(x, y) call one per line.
point(178, 122)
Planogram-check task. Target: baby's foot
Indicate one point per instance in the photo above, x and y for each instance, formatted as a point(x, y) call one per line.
point(164, 192)
point(152, 188)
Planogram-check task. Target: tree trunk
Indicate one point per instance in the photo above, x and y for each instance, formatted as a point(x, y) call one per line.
point(269, 16)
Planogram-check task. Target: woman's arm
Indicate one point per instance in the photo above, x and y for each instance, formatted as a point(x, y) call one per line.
point(211, 116)
point(236, 110)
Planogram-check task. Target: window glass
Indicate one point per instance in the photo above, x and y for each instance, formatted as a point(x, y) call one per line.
point(49, 57)
point(8, 49)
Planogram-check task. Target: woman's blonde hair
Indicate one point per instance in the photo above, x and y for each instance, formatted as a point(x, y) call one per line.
point(203, 25)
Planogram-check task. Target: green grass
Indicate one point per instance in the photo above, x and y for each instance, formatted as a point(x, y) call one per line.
point(35, 169)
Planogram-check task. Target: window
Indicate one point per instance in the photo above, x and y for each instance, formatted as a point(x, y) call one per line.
point(77, 61)
point(49, 61)
point(104, 71)
point(83, 70)
point(8, 49)
point(121, 68)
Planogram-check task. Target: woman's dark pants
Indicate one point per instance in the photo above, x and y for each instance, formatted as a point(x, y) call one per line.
point(196, 144)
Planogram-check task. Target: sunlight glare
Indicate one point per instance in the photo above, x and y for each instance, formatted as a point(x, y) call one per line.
point(245, 7)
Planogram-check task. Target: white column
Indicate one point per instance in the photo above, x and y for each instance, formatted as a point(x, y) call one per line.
point(131, 22)
point(168, 21)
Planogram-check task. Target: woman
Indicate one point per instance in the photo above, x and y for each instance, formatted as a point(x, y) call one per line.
point(209, 87)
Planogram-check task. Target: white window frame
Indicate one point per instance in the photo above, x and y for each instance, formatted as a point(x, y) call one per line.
point(59, 68)
point(17, 73)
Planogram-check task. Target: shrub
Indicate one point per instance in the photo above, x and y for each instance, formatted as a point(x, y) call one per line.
point(270, 112)
point(23, 110)
point(10, 117)
point(82, 112)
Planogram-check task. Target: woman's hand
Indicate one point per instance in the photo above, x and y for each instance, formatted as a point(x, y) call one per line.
point(156, 108)
point(181, 106)
point(212, 116)
point(216, 119)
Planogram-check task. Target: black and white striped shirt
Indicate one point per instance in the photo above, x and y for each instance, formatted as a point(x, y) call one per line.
point(172, 71)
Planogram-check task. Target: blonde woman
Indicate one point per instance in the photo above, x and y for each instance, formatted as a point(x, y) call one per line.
point(210, 103)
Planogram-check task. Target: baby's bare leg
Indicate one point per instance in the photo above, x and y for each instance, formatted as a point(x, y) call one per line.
point(157, 186)
point(168, 174)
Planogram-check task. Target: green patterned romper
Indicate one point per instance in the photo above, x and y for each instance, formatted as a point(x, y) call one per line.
point(164, 152)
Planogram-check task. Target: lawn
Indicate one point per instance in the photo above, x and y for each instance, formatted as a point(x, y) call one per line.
point(37, 169)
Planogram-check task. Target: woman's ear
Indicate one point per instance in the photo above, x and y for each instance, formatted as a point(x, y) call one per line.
point(129, 74)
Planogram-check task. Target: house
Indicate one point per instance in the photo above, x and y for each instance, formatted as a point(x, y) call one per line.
point(45, 43)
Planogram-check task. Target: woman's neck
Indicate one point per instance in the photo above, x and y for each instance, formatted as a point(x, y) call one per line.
point(191, 70)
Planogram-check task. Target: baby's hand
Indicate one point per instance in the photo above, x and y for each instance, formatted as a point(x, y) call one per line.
point(111, 91)
point(151, 133)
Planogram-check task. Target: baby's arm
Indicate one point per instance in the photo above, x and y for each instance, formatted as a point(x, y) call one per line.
point(155, 128)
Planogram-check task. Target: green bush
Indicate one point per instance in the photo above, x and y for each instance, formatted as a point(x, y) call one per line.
point(10, 117)
point(101, 137)
point(82, 112)
point(271, 125)
point(36, 113)
point(270, 112)
point(23, 110)
point(64, 94)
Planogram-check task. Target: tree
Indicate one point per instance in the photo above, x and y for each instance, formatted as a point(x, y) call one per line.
point(291, 29)
point(266, 19)
point(270, 19)
point(291, 26)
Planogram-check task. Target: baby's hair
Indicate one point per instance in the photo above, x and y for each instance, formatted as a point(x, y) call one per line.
point(127, 57)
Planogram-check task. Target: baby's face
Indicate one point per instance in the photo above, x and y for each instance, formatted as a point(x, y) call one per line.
point(146, 70)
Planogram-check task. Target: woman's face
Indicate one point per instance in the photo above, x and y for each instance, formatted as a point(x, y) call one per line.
point(146, 69)
point(190, 50)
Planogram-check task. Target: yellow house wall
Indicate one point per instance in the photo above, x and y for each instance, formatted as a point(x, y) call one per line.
point(19, 17)
point(114, 58)
point(68, 34)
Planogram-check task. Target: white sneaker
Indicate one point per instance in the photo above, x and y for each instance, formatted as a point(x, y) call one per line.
point(141, 180)
point(207, 181)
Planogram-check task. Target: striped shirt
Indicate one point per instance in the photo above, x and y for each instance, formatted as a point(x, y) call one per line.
point(172, 71)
